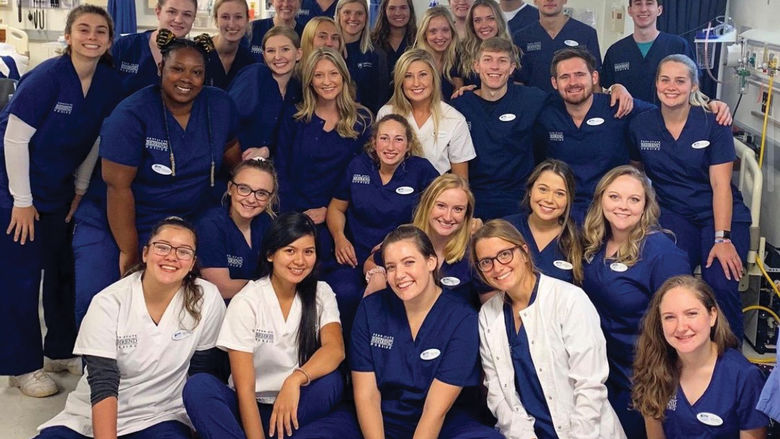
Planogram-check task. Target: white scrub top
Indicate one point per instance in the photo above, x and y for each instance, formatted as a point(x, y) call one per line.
point(254, 323)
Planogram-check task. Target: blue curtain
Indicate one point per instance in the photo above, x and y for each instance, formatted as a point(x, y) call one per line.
point(685, 18)
point(123, 13)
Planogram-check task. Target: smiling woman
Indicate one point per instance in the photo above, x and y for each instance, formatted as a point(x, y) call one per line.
point(230, 56)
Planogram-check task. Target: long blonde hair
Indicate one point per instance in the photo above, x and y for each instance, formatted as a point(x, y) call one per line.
point(456, 247)
point(451, 55)
point(399, 102)
point(470, 44)
point(697, 98)
point(656, 364)
point(350, 112)
point(365, 34)
point(597, 231)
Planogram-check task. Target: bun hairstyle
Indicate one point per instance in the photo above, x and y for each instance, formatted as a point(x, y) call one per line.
point(168, 43)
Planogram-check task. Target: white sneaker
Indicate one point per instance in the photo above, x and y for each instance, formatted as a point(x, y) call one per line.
point(36, 384)
point(72, 365)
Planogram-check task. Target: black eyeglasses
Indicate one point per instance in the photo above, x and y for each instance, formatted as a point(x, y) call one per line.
point(504, 257)
point(164, 249)
point(245, 191)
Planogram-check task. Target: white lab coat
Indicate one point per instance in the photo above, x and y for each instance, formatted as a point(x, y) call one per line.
point(569, 353)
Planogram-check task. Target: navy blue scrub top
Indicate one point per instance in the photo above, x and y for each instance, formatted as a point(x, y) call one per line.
point(538, 49)
point(139, 139)
point(527, 382)
point(369, 72)
point(311, 162)
point(550, 260)
point(503, 140)
point(393, 55)
point(260, 105)
point(375, 209)
point(260, 28)
point(133, 58)
point(730, 401)
point(524, 17)
point(599, 144)
point(311, 9)
point(222, 245)
point(680, 168)
point(50, 99)
point(216, 76)
point(13, 71)
point(621, 295)
point(446, 348)
point(624, 63)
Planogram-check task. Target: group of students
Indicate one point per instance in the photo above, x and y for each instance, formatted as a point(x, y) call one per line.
point(520, 203)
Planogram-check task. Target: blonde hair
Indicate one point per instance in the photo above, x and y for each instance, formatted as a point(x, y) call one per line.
point(413, 145)
point(470, 44)
point(399, 102)
point(310, 30)
point(350, 112)
point(218, 4)
point(656, 364)
point(450, 56)
point(456, 247)
point(365, 34)
point(596, 230)
point(697, 98)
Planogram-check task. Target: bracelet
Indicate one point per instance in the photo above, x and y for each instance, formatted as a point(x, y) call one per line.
point(308, 378)
point(375, 270)
point(721, 240)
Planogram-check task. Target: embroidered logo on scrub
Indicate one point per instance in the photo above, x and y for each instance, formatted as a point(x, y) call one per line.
point(180, 334)
point(532, 47)
point(710, 419)
point(264, 336)
point(430, 354)
point(126, 67)
point(63, 108)
point(450, 281)
point(381, 341)
point(650, 145)
point(361, 179)
point(556, 136)
point(257, 50)
point(235, 261)
point(156, 144)
point(126, 342)
point(621, 66)
point(672, 404)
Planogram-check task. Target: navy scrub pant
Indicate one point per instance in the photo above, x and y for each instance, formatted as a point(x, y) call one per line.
point(163, 430)
point(213, 407)
point(96, 263)
point(20, 280)
point(697, 240)
point(632, 421)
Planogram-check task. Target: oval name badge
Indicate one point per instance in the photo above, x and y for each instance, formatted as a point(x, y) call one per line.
point(430, 354)
point(618, 266)
point(181, 334)
point(701, 144)
point(571, 43)
point(450, 281)
point(710, 419)
point(161, 169)
point(594, 121)
point(404, 190)
point(563, 265)
point(507, 117)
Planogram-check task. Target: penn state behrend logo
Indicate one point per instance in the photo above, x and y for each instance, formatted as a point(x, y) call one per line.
point(556, 136)
point(127, 67)
point(257, 50)
point(621, 66)
point(126, 342)
point(235, 261)
point(672, 404)
point(365, 65)
point(533, 47)
point(63, 108)
point(650, 145)
point(361, 179)
point(156, 144)
point(381, 341)
point(264, 336)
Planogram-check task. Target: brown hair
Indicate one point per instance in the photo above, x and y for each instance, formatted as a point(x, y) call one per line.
point(80, 10)
point(408, 232)
point(656, 364)
point(413, 145)
point(381, 33)
point(502, 229)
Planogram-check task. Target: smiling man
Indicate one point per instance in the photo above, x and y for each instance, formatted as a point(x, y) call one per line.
point(633, 60)
point(501, 117)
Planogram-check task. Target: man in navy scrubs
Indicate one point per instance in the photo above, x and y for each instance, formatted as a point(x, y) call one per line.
point(634, 60)
point(553, 31)
point(518, 14)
